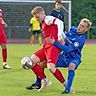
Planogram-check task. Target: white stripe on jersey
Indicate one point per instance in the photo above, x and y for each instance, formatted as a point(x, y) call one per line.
point(61, 34)
point(49, 20)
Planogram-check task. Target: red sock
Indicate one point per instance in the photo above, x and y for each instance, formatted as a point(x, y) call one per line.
point(4, 54)
point(59, 76)
point(38, 71)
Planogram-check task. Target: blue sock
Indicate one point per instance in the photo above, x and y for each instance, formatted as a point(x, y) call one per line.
point(38, 81)
point(71, 74)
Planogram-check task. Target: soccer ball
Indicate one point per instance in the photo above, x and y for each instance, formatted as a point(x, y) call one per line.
point(26, 63)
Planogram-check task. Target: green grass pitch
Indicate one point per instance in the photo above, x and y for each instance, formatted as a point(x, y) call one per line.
point(14, 81)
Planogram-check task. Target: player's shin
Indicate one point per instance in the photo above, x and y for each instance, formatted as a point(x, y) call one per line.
point(4, 54)
point(38, 71)
point(32, 39)
point(38, 81)
point(71, 74)
point(58, 75)
point(56, 72)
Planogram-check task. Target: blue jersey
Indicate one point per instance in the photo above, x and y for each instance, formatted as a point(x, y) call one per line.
point(58, 14)
point(72, 51)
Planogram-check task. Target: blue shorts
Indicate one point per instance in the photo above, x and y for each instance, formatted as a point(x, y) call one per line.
point(64, 61)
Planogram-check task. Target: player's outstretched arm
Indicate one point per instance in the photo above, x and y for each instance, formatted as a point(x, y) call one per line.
point(4, 24)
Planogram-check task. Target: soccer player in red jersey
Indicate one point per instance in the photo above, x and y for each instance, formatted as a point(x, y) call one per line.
point(3, 42)
point(51, 27)
point(58, 13)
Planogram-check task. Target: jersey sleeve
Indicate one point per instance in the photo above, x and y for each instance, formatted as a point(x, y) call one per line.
point(0, 15)
point(49, 20)
point(31, 20)
point(61, 34)
point(71, 47)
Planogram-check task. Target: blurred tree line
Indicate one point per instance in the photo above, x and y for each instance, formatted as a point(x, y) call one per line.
point(84, 8)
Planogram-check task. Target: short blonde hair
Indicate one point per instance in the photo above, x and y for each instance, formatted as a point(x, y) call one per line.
point(37, 9)
point(87, 21)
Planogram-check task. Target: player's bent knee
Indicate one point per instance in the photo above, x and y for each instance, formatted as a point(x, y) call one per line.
point(51, 67)
point(35, 59)
point(71, 66)
point(3, 46)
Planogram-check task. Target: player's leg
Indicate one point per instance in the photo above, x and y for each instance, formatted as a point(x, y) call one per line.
point(71, 74)
point(32, 40)
point(51, 64)
point(56, 72)
point(39, 37)
point(37, 83)
point(4, 56)
point(4, 51)
point(36, 68)
point(35, 58)
point(64, 62)
point(45, 81)
point(32, 63)
point(53, 57)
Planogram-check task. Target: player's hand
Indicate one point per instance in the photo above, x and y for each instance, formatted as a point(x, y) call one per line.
point(49, 40)
point(62, 42)
point(30, 29)
point(5, 25)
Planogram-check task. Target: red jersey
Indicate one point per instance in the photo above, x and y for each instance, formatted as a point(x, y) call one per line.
point(52, 27)
point(1, 29)
point(50, 30)
point(2, 34)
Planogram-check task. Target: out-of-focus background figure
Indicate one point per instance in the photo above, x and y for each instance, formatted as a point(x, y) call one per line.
point(3, 41)
point(35, 29)
point(57, 12)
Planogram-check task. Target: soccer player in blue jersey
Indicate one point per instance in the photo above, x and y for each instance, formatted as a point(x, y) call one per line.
point(71, 56)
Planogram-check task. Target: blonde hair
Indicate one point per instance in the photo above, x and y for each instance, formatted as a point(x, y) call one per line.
point(87, 21)
point(37, 9)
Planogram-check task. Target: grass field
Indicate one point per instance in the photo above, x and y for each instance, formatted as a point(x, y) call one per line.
point(14, 81)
